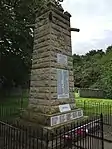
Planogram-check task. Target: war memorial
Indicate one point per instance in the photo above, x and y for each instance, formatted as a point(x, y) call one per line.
point(51, 101)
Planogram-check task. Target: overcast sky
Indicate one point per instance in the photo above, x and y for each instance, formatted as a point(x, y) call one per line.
point(94, 19)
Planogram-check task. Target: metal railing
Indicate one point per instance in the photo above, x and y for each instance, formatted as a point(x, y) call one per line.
point(80, 135)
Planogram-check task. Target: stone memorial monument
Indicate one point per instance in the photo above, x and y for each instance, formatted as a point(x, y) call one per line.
point(51, 101)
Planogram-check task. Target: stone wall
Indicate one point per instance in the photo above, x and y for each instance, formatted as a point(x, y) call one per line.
point(91, 93)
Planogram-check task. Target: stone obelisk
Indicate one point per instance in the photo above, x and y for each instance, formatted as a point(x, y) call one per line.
point(51, 100)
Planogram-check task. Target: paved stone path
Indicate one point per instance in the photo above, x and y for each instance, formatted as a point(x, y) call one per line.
point(108, 136)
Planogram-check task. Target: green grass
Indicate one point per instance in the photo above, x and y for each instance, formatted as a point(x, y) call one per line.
point(94, 106)
point(95, 100)
point(13, 102)
point(11, 107)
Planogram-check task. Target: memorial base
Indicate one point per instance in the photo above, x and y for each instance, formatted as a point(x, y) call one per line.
point(54, 119)
point(56, 129)
point(51, 125)
point(48, 132)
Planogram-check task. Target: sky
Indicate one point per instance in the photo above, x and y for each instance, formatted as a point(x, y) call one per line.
point(94, 19)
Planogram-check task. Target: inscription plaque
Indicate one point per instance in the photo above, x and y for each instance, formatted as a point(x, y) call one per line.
point(56, 120)
point(62, 118)
point(62, 83)
point(64, 108)
point(62, 59)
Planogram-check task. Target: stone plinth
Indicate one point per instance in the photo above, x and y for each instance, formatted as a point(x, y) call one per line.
point(52, 81)
point(53, 119)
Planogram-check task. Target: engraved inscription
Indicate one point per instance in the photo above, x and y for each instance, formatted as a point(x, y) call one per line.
point(62, 59)
point(64, 108)
point(55, 120)
point(62, 83)
point(66, 117)
point(62, 118)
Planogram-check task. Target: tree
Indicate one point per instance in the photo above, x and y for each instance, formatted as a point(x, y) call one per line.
point(16, 39)
point(87, 68)
point(94, 70)
point(109, 49)
point(106, 76)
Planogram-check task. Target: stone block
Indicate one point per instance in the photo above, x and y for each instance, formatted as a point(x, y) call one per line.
point(54, 119)
point(52, 102)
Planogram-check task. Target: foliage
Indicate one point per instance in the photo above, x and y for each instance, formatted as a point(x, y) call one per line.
point(94, 70)
point(16, 40)
point(86, 69)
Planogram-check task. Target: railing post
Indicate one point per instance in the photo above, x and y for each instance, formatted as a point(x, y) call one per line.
point(102, 134)
point(47, 139)
point(84, 107)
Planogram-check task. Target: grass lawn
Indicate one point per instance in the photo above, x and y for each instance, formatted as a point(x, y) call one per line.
point(95, 106)
point(94, 100)
point(10, 107)
point(12, 102)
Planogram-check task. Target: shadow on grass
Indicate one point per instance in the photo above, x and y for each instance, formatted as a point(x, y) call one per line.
point(10, 108)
